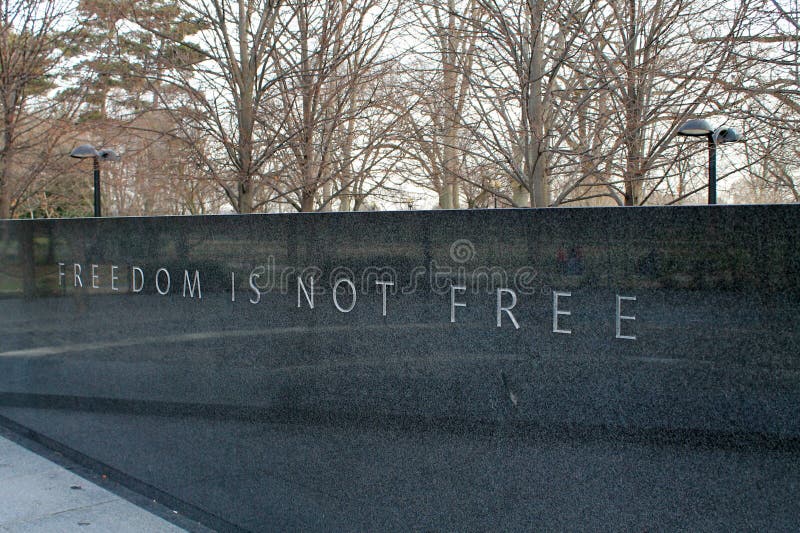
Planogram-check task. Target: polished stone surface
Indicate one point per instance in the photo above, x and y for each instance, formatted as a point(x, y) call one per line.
point(254, 413)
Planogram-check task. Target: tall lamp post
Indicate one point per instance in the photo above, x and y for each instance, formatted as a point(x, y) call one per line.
point(86, 151)
point(702, 128)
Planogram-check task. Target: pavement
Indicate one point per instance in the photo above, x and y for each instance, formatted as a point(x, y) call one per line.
point(43, 495)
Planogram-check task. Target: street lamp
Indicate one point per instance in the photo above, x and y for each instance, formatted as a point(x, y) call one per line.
point(86, 151)
point(697, 127)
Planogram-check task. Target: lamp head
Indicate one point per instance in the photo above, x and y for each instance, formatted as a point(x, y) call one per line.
point(84, 151)
point(696, 127)
point(728, 135)
point(107, 154)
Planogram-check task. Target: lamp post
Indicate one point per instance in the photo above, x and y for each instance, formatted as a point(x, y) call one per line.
point(702, 128)
point(86, 151)
point(495, 185)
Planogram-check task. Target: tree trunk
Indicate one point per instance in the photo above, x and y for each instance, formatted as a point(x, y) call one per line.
point(535, 154)
point(246, 111)
point(5, 203)
point(634, 130)
point(345, 200)
point(245, 198)
point(307, 201)
point(520, 195)
point(449, 197)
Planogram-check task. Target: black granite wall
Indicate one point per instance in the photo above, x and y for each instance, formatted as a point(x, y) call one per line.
point(668, 396)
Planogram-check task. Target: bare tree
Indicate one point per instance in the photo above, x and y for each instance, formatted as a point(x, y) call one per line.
point(32, 37)
point(656, 77)
point(764, 99)
point(329, 63)
point(157, 174)
point(439, 81)
point(223, 74)
point(521, 58)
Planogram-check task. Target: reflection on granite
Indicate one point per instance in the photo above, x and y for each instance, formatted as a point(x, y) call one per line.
point(439, 370)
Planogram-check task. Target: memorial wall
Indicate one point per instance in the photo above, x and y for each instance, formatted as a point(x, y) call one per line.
point(452, 370)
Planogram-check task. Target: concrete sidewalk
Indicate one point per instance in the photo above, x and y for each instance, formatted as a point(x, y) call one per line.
point(38, 495)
